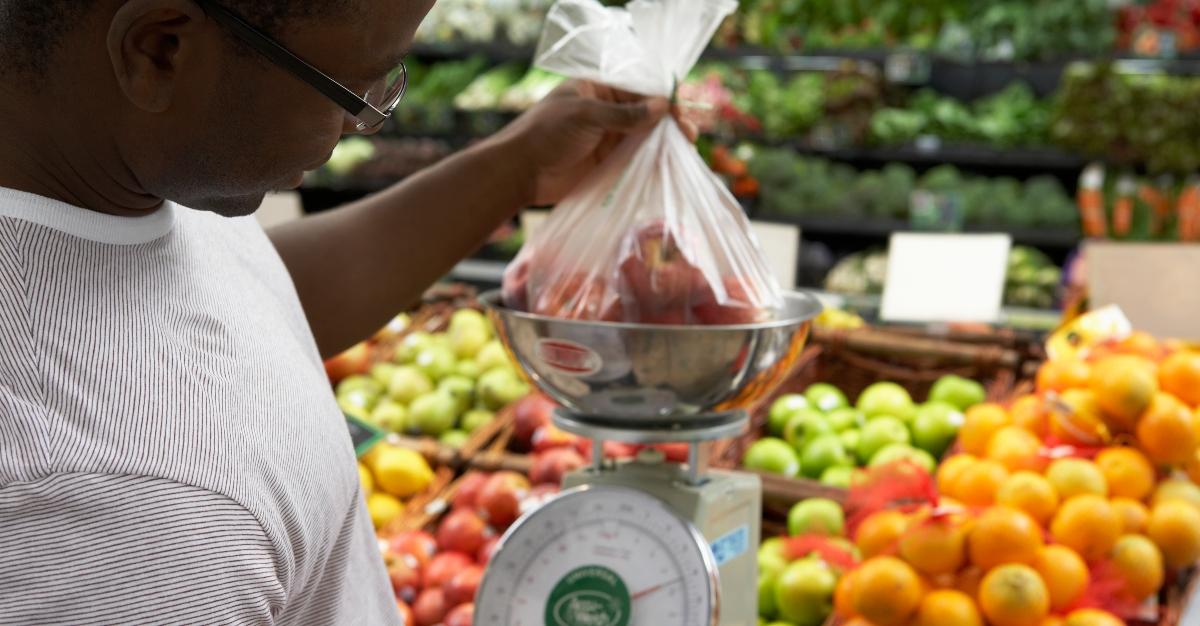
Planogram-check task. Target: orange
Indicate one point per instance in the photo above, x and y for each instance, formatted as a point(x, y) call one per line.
point(947, 607)
point(886, 591)
point(1016, 448)
point(1087, 524)
point(969, 579)
point(1167, 431)
point(1133, 514)
point(935, 545)
point(1141, 344)
point(1051, 620)
point(1029, 412)
point(1177, 489)
point(1179, 375)
point(1075, 417)
point(980, 482)
point(950, 471)
point(1031, 493)
point(1003, 535)
point(1065, 574)
point(1128, 473)
point(856, 621)
point(1093, 617)
point(879, 533)
point(982, 421)
point(1193, 467)
point(1124, 387)
point(1062, 374)
point(1174, 527)
point(1140, 563)
point(1014, 595)
point(843, 605)
point(1074, 477)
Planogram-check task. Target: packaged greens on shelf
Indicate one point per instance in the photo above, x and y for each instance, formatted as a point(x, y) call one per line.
point(535, 85)
point(1011, 117)
point(485, 91)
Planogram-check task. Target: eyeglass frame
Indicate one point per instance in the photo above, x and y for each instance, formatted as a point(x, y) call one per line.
point(365, 114)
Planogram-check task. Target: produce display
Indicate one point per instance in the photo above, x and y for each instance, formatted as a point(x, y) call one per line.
point(1032, 281)
point(389, 475)
point(819, 435)
point(443, 385)
point(484, 21)
point(1013, 116)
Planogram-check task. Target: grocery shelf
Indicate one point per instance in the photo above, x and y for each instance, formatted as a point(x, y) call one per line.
point(881, 229)
point(935, 152)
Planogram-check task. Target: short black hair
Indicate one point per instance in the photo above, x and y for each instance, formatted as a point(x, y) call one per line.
point(31, 30)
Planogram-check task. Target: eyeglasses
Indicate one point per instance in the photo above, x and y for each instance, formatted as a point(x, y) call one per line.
point(368, 111)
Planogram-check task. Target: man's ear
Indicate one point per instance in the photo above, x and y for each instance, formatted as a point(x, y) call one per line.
point(149, 41)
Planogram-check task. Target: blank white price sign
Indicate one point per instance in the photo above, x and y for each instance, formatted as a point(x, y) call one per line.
point(1153, 283)
point(945, 278)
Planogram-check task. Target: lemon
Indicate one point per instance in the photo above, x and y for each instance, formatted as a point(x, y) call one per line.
point(367, 480)
point(383, 508)
point(401, 472)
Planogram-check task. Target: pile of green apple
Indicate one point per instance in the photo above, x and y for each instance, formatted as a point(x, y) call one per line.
point(820, 435)
point(797, 590)
point(444, 385)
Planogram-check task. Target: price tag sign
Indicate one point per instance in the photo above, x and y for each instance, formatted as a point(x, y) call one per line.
point(907, 68)
point(945, 278)
point(781, 245)
point(364, 435)
point(1151, 282)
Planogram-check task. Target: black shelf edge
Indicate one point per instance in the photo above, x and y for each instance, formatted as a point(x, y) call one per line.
point(965, 154)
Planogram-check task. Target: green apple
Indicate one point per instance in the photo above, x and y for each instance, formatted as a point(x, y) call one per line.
point(454, 438)
point(804, 592)
point(491, 356)
point(358, 382)
point(825, 397)
point(822, 453)
point(805, 425)
point(887, 399)
point(962, 393)
point(433, 413)
point(475, 419)
point(774, 455)
point(412, 344)
point(774, 547)
point(766, 596)
point(850, 440)
point(936, 426)
point(844, 419)
point(461, 389)
point(391, 416)
point(354, 410)
point(470, 318)
point(879, 433)
point(469, 332)
point(500, 387)
point(816, 516)
point(382, 373)
point(838, 476)
point(407, 384)
point(436, 361)
point(467, 369)
point(903, 452)
point(782, 410)
point(359, 399)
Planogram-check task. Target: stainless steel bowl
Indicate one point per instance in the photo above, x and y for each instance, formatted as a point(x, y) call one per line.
point(654, 373)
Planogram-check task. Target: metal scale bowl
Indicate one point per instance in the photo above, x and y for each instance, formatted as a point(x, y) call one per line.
point(641, 383)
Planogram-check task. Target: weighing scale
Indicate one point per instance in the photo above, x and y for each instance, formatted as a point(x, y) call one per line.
point(643, 542)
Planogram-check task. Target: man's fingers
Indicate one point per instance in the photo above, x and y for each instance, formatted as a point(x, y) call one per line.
point(626, 117)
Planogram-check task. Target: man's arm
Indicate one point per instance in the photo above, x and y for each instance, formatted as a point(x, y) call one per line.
point(359, 265)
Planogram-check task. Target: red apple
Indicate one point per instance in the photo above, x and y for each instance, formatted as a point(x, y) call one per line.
point(462, 531)
point(443, 566)
point(487, 550)
point(430, 607)
point(461, 587)
point(500, 499)
point(405, 577)
point(538, 496)
point(579, 297)
point(356, 360)
point(550, 436)
point(461, 615)
point(418, 544)
point(612, 450)
point(468, 490)
point(736, 308)
point(406, 614)
point(529, 414)
point(674, 452)
point(550, 466)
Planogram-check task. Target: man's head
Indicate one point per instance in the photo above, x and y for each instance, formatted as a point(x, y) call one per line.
point(187, 111)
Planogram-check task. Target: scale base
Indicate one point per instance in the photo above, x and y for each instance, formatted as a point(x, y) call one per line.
point(725, 507)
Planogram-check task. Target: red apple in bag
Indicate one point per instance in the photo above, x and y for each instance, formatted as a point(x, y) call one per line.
point(579, 297)
point(736, 308)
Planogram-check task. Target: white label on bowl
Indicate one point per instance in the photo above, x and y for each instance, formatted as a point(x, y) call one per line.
point(568, 357)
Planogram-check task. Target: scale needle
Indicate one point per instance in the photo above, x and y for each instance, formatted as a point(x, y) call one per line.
point(645, 592)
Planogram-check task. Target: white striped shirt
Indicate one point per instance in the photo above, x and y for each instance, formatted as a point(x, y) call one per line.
point(170, 451)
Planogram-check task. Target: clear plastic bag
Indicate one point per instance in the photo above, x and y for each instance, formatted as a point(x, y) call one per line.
point(652, 236)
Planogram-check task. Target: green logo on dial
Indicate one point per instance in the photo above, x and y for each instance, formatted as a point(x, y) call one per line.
point(589, 596)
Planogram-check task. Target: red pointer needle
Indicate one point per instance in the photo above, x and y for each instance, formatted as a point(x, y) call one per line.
point(645, 592)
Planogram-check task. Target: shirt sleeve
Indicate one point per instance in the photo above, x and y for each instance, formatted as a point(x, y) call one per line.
point(115, 549)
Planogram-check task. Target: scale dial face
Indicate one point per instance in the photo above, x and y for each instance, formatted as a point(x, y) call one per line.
point(600, 556)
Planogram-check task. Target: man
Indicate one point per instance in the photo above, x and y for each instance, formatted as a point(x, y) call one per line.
point(169, 449)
